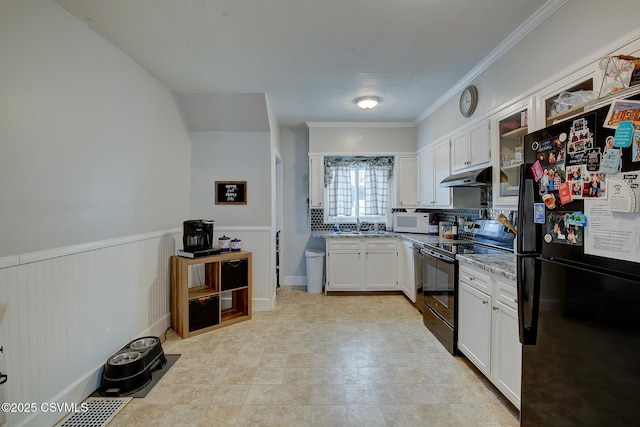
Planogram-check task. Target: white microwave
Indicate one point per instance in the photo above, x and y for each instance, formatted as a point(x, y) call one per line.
point(415, 222)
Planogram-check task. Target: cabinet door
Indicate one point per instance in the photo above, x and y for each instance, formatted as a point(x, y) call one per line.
point(441, 157)
point(474, 326)
point(506, 350)
point(406, 182)
point(427, 197)
point(316, 181)
point(381, 270)
point(408, 279)
point(479, 144)
point(551, 109)
point(460, 149)
point(510, 125)
point(344, 271)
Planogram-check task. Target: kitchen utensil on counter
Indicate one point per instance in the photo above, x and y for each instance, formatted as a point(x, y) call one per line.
point(505, 221)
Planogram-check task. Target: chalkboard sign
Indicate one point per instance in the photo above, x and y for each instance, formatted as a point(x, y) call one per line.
point(231, 192)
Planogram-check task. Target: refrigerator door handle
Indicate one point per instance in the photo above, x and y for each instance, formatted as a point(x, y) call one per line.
point(529, 235)
point(528, 291)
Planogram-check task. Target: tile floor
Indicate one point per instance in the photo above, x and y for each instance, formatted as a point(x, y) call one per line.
point(320, 361)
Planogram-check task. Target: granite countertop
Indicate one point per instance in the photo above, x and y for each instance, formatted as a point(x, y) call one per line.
point(420, 239)
point(501, 264)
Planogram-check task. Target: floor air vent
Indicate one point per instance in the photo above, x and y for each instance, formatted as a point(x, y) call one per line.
point(100, 411)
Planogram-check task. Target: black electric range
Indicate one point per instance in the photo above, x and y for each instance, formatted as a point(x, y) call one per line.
point(440, 275)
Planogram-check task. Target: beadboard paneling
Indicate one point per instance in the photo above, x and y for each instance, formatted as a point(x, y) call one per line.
point(67, 314)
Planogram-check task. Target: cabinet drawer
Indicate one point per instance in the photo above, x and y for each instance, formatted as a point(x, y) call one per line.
point(378, 244)
point(343, 244)
point(204, 312)
point(475, 278)
point(234, 274)
point(506, 293)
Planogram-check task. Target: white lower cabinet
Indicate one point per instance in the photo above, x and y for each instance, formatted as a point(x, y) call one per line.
point(408, 275)
point(488, 328)
point(362, 264)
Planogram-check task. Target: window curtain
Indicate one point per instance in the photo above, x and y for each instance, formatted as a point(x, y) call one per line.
point(376, 189)
point(378, 172)
point(340, 194)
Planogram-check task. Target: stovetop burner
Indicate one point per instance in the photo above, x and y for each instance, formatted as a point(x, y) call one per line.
point(466, 248)
point(489, 237)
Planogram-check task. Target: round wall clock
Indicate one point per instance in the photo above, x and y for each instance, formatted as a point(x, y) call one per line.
point(468, 101)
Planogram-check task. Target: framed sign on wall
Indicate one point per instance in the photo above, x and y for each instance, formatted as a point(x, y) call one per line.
point(231, 192)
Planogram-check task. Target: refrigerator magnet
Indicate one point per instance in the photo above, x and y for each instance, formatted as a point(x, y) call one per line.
point(537, 171)
point(611, 161)
point(538, 213)
point(623, 135)
point(565, 193)
point(576, 219)
point(635, 151)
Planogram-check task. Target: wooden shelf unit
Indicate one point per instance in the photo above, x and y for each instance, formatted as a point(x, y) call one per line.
point(233, 305)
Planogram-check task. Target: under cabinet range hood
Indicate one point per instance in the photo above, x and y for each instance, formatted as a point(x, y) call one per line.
point(475, 178)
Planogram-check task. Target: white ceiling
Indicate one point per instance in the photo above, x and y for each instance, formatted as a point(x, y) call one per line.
point(312, 58)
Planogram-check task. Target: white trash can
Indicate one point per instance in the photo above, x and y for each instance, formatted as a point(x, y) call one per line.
point(315, 270)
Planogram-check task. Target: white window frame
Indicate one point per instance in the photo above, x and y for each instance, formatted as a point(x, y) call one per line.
point(353, 219)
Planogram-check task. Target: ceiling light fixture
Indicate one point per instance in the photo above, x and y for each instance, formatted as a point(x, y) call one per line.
point(367, 102)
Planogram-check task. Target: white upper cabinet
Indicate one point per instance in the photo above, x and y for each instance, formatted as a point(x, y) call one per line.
point(434, 167)
point(509, 126)
point(471, 148)
point(427, 195)
point(316, 181)
point(407, 190)
point(553, 103)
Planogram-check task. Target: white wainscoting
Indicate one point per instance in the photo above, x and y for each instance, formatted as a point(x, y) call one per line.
point(69, 309)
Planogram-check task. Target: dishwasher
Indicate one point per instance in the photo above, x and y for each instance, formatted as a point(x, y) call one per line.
point(418, 259)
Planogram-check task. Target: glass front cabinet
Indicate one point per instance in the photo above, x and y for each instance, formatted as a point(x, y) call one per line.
point(566, 97)
point(508, 127)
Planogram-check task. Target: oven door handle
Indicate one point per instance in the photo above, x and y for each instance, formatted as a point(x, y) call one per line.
point(442, 257)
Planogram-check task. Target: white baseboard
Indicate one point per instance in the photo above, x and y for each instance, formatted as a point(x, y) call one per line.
point(295, 281)
point(262, 304)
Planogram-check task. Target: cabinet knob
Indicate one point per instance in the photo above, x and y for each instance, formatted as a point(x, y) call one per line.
point(485, 302)
point(495, 308)
point(472, 278)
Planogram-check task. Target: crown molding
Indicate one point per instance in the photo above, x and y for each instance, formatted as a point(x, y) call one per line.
point(548, 9)
point(361, 124)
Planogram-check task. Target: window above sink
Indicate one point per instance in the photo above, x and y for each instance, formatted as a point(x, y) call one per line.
point(357, 189)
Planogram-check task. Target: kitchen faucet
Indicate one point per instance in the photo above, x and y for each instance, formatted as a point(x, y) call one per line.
point(358, 225)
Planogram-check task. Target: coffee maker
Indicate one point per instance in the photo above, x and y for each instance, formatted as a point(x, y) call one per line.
point(197, 235)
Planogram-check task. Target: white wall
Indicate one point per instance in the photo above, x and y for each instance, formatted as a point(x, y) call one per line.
point(94, 178)
point(581, 30)
point(376, 138)
point(92, 146)
point(296, 234)
point(238, 156)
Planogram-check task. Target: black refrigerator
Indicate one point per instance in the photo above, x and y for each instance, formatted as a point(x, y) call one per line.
point(578, 268)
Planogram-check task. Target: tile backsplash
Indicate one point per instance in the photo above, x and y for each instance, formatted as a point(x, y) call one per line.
point(316, 216)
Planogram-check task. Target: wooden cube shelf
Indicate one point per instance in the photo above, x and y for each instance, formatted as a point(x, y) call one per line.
point(227, 271)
